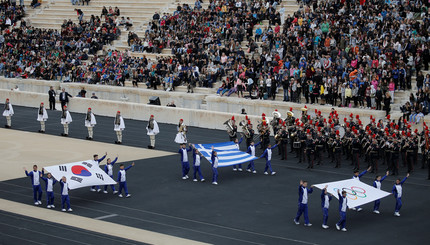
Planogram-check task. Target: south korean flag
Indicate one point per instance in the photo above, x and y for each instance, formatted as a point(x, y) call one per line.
point(81, 174)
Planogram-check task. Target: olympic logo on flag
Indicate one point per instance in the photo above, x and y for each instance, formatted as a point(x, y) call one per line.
point(80, 171)
point(354, 192)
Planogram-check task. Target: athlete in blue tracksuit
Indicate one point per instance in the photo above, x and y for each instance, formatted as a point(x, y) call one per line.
point(214, 159)
point(35, 182)
point(251, 151)
point(343, 205)
point(122, 180)
point(303, 202)
point(239, 166)
point(109, 171)
point(50, 182)
point(184, 160)
point(268, 155)
point(65, 200)
point(398, 193)
point(97, 161)
point(325, 204)
point(357, 176)
point(377, 185)
point(196, 164)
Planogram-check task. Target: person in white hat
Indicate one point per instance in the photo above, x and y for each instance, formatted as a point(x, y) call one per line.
point(42, 117)
point(90, 122)
point(8, 113)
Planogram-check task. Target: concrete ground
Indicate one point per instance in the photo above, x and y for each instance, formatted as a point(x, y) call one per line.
point(243, 209)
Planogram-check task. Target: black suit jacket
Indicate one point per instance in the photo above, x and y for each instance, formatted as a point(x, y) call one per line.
point(51, 95)
point(66, 97)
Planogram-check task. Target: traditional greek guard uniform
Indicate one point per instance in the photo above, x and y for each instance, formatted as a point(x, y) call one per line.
point(66, 119)
point(119, 126)
point(152, 130)
point(42, 117)
point(8, 113)
point(90, 122)
point(181, 136)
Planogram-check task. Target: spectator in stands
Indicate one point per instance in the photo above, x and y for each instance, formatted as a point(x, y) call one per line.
point(93, 96)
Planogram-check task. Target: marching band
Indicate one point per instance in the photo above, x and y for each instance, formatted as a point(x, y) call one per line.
point(315, 137)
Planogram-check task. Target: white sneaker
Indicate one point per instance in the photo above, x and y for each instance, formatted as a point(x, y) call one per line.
point(202, 180)
point(115, 192)
point(49, 206)
point(273, 173)
point(92, 189)
point(359, 209)
point(36, 203)
point(337, 227)
point(234, 169)
point(195, 180)
point(376, 211)
point(64, 210)
point(69, 210)
point(214, 183)
point(296, 222)
point(99, 190)
point(354, 209)
point(184, 177)
point(120, 195)
point(128, 195)
point(249, 170)
point(105, 192)
point(343, 229)
point(266, 173)
point(52, 206)
point(240, 170)
point(325, 226)
point(308, 224)
point(397, 214)
point(40, 202)
point(254, 172)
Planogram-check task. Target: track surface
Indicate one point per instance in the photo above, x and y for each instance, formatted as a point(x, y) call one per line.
point(244, 209)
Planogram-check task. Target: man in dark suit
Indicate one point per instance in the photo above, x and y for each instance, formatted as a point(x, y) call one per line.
point(52, 95)
point(64, 98)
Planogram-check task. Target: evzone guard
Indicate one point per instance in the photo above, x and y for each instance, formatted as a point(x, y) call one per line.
point(42, 117)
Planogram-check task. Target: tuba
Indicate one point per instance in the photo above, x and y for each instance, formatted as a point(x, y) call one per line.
point(229, 128)
point(245, 129)
point(276, 114)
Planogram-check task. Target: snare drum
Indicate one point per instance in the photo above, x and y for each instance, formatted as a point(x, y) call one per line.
point(297, 145)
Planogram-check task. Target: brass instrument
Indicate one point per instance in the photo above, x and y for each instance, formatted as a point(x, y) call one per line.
point(229, 128)
point(245, 130)
point(278, 135)
point(290, 114)
point(276, 114)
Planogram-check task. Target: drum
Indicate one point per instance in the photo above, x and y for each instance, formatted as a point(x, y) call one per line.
point(297, 145)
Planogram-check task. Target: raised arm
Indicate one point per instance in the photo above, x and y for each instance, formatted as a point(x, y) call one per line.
point(403, 181)
point(127, 168)
point(114, 161)
point(240, 141)
point(273, 147)
point(257, 144)
point(103, 158)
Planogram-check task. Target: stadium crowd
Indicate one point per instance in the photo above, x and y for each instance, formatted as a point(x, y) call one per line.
point(346, 53)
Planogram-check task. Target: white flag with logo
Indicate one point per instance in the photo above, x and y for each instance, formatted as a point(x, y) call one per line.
point(357, 192)
point(81, 174)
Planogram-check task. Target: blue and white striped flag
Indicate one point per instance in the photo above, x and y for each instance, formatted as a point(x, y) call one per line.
point(227, 152)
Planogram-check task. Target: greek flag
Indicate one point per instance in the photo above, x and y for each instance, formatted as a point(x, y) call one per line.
point(227, 152)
